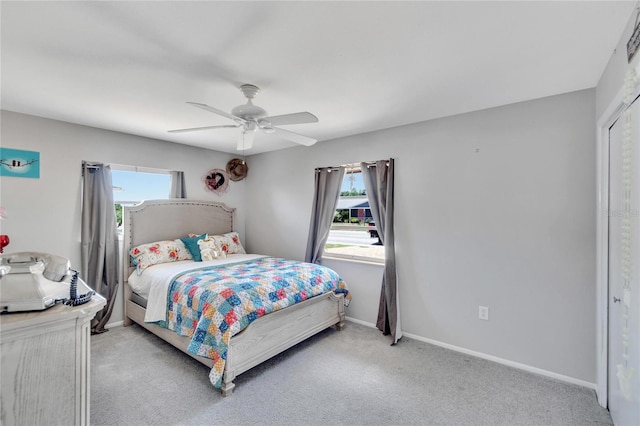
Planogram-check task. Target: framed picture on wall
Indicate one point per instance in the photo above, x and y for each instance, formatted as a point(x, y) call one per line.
point(19, 163)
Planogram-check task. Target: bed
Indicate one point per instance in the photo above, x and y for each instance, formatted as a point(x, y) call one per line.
point(264, 337)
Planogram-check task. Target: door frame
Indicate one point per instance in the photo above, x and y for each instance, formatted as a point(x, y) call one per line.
point(608, 118)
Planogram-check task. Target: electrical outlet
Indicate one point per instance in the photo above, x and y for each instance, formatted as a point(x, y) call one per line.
point(483, 313)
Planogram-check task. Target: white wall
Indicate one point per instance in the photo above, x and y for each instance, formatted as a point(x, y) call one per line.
point(493, 208)
point(44, 214)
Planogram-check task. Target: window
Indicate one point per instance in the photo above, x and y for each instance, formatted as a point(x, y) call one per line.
point(132, 185)
point(353, 233)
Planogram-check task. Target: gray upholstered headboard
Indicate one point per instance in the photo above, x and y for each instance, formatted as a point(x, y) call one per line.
point(157, 220)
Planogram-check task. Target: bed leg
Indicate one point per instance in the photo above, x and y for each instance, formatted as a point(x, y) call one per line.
point(127, 320)
point(227, 384)
point(341, 315)
point(127, 299)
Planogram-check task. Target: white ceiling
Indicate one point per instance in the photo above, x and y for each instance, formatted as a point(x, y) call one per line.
point(358, 66)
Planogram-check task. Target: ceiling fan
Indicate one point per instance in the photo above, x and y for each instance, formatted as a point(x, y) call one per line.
point(251, 118)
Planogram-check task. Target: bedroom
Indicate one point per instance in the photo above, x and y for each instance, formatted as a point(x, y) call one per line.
point(506, 193)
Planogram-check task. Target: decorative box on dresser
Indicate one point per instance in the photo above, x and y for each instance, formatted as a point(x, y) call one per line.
point(44, 365)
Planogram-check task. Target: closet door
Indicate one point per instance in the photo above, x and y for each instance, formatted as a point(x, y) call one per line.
point(624, 269)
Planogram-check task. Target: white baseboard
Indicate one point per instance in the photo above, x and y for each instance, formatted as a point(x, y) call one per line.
point(114, 324)
point(476, 354)
point(357, 321)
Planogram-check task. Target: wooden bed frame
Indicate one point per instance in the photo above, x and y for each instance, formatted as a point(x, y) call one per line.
point(266, 337)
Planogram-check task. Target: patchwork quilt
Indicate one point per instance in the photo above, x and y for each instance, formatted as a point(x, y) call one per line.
point(212, 304)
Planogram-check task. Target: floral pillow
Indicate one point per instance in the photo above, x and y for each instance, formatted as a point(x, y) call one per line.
point(230, 243)
point(165, 251)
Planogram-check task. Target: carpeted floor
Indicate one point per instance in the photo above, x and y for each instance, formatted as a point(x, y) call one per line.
point(351, 377)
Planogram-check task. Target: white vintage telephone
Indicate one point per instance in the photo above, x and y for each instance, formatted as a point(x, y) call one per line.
point(35, 281)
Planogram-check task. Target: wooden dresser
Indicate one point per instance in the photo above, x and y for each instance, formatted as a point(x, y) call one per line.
point(44, 365)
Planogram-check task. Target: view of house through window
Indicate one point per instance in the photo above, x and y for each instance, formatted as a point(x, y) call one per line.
point(353, 232)
point(132, 185)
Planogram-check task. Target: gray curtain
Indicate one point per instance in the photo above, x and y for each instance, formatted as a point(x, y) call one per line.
point(99, 238)
point(327, 190)
point(177, 185)
point(378, 181)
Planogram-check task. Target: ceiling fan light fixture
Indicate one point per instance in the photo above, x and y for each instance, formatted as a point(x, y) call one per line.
point(250, 127)
point(266, 126)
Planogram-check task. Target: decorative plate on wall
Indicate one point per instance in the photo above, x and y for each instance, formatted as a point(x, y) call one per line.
point(217, 180)
point(237, 169)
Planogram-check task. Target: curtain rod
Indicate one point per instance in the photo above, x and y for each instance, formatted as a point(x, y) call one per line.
point(126, 167)
point(351, 167)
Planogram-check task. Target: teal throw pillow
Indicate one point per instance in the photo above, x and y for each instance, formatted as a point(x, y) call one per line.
point(192, 245)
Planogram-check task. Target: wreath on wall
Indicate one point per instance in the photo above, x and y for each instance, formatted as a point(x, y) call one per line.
point(217, 180)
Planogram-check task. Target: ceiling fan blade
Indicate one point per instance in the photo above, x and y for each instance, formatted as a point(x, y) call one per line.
point(295, 118)
point(295, 137)
point(245, 141)
point(192, 129)
point(216, 111)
